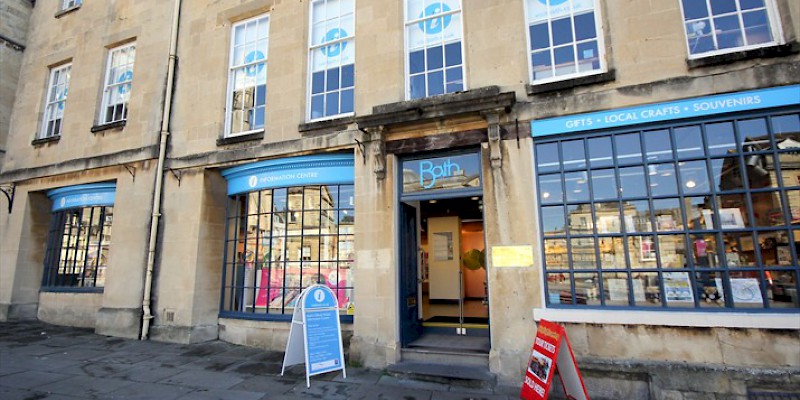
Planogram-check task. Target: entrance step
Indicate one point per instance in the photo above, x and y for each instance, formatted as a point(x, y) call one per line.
point(444, 356)
point(449, 374)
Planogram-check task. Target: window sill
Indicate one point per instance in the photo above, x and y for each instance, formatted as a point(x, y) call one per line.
point(763, 52)
point(668, 318)
point(105, 127)
point(328, 125)
point(42, 141)
point(571, 83)
point(67, 11)
point(55, 289)
point(240, 138)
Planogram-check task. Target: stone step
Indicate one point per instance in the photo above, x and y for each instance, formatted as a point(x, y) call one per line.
point(450, 374)
point(445, 356)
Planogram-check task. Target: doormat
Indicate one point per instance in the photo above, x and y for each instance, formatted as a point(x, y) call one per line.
point(454, 320)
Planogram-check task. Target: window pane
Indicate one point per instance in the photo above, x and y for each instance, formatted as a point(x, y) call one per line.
point(577, 186)
point(700, 211)
point(646, 289)
point(553, 220)
point(689, 141)
point(642, 251)
point(588, 56)
point(584, 26)
point(607, 218)
point(574, 154)
point(580, 219)
point(739, 249)
point(733, 211)
point(604, 184)
point(632, 183)
point(562, 31)
point(746, 289)
point(629, 148)
point(612, 252)
point(668, 214)
point(756, 27)
point(435, 83)
point(587, 289)
point(754, 134)
point(729, 32)
point(662, 179)
point(693, 9)
point(782, 289)
point(704, 250)
point(416, 63)
point(694, 177)
point(564, 60)
point(453, 54)
point(583, 253)
point(720, 139)
point(540, 36)
point(435, 57)
point(615, 289)
point(547, 158)
point(555, 251)
point(658, 146)
point(672, 250)
point(542, 65)
point(558, 288)
point(600, 154)
point(678, 289)
point(637, 216)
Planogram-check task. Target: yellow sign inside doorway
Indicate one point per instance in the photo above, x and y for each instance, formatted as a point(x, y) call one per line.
point(512, 256)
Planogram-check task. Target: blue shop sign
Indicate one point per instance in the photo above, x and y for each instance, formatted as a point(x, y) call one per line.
point(696, 107)
point(454, 172)
point(296, 171)
point(96, 194)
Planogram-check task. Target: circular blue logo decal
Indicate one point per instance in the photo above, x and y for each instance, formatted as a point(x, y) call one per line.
point(60, 97)
point(337, 48)
point(251, 57)
point(435, 25)
point(125, 77)
point(553, 3)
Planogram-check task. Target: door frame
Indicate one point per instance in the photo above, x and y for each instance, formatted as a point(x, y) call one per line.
point(414, 199)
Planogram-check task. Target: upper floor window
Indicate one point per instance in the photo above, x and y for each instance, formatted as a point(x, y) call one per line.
point(721, 26)
point(117, 87)
point(247, 77)
point(67, 4)
point(57, 90)
point(435, 62)
point(331, 58)
point(565, 39)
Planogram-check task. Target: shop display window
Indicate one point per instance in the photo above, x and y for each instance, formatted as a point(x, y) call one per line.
point(282, 240)
point(698, 216)
point(77, 249)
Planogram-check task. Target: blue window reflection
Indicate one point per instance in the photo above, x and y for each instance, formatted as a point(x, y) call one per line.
point(348, 76)
point(347, 101)
point(540, 36)
point(416, 62)
point(435, 57)
point(693, 9)
point(435, 83)
point(584, 27)
point(562, 31)
point(453, 54)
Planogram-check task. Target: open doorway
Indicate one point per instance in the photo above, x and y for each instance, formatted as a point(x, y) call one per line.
point(451, 280)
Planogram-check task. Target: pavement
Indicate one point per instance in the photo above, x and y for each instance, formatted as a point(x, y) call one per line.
point(41, 361)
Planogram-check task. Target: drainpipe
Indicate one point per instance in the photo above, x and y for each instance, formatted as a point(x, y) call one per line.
point(162, 154)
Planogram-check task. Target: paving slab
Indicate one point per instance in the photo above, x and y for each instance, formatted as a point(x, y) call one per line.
point(147, 372)
point(203, 380)
point(266, 385)
point(85, 386)
point(222, 395)
point(96, 369)
point(150, 391)
point(31, 379)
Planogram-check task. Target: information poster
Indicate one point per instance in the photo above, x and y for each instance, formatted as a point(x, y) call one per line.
point(551, 356)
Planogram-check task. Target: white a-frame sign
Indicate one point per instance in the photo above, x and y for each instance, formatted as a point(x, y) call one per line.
point(315, 337)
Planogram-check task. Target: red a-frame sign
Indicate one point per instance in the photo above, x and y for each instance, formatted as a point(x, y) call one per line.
point(546, 358)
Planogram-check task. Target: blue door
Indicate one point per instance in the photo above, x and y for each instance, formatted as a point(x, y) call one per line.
point(411, 328)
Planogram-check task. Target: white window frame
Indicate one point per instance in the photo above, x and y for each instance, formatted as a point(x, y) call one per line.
point(601, 47)
point(407, 51)
point(772, 17)
point(109, 87)
point(70, 4)
point(351, 37)
point(55, 102)
point(232, 70)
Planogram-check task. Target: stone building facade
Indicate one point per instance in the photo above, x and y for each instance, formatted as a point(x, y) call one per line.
point(454, 171)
